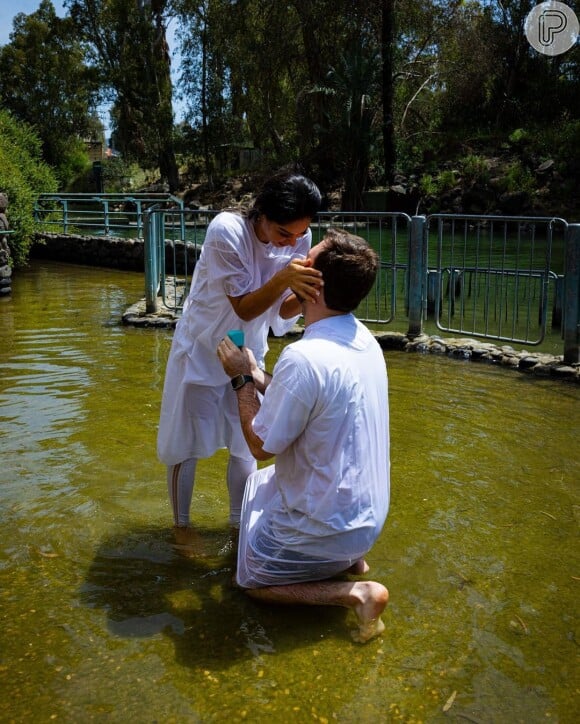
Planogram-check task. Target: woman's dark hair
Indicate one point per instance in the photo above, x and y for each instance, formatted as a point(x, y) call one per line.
point(287, 197)
point(349, 267)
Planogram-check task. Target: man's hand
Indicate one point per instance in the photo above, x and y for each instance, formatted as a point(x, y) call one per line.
point(235, 361)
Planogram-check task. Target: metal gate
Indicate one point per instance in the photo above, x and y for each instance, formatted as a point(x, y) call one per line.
point(495, 277)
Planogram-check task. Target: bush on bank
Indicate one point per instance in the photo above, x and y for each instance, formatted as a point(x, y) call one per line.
point(23, 176)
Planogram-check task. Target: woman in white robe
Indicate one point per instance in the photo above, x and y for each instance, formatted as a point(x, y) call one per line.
point(246, 278)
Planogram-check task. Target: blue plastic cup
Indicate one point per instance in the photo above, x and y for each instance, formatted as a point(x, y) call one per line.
point(237, 337)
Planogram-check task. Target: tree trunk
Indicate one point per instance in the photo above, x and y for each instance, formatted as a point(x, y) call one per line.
point(163, 118)
point(387, 45)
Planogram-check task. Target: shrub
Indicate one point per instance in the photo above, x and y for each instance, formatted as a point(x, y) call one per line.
point(431, 186)
point(446, 180)
point(74, 163)
point(121, 177)
point(427, 185)
point(518, 178)
point(520, 137)
point(474, 170)
point(566, 151)
point(23, 176)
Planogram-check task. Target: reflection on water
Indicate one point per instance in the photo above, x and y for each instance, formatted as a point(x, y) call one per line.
point(104, 620)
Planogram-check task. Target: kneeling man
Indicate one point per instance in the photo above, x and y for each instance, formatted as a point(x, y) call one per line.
point(318, 510)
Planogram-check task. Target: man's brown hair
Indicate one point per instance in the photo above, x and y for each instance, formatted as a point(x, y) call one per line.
point(349, 268)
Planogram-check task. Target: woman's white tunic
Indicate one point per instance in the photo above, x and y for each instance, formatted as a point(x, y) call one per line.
point(233, 261)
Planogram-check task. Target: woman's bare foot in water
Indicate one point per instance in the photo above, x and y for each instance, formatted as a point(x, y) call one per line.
point(373, 597)
point(188, 542)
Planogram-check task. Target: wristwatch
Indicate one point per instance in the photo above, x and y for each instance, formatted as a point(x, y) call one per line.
point(240, 380)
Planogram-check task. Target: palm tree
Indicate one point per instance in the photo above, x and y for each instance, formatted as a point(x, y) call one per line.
point(353, 116)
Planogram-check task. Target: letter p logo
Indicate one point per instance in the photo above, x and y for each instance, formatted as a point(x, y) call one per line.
point(552, 28)
point(552, 22)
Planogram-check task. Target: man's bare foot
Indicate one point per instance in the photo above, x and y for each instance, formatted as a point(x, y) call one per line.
point(373, 598)
point(358, 568)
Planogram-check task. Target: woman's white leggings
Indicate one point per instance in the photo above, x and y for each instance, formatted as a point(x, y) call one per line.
point(181, 480)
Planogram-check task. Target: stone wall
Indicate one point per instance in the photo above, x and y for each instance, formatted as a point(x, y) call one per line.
point(111, 252)
point(538, 364)
point(108, 251)
point(5, 261)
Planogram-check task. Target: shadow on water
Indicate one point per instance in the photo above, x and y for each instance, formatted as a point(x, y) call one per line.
point(148, 585)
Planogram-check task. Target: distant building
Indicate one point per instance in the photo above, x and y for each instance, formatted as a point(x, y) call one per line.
point(95, 150)
point(237, 157)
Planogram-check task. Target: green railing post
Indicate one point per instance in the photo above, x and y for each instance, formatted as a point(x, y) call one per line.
point(139, 217)
point(151, 262)
point(64, 216)
point(106, 216)
point(160, 245)
point(416, 275)
point(571, 306)
point(182, 221)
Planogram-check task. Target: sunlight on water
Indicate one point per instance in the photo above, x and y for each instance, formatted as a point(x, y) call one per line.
point(105, 620)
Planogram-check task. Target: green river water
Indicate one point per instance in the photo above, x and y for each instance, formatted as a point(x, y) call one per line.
point(103, 620)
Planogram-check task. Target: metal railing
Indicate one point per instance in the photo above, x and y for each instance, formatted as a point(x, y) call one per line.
point(389, 234)
point(170, 253)
point(493, 277)
point(571, 296)
point(484, 276)
point(173, 239)
point(100, 214)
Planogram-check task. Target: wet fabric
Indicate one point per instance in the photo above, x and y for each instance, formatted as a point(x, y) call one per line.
point(325, 417)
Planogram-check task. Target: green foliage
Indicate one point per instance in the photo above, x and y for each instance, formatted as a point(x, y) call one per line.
point(518, 178)
point(474, 170)
point(253, 71)
point(565, 145)
point(74, 162)
point(447, 180)
point(241, 80)
point(23, 176)
point(120, 176)
point(353, 119)
point(45, 83)
point(256, 73)
point(126, 44)
point(427, 185)
point(432, 186)
point(520, 137)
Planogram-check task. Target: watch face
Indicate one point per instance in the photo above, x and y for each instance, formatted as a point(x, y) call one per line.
point(240, 380)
